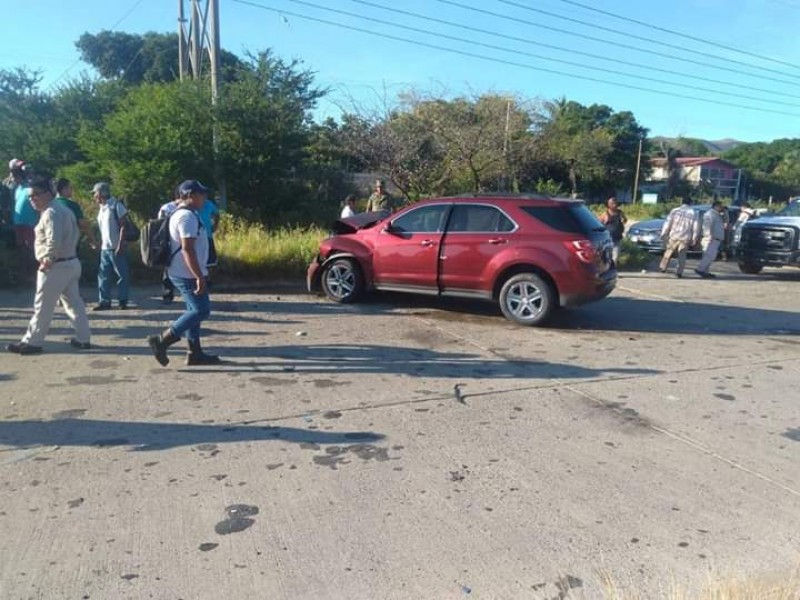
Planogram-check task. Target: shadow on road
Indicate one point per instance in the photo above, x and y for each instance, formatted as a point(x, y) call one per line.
point(143, 436)
point(346, 359)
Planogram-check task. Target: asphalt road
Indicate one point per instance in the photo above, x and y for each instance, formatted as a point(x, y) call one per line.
point(408, 449)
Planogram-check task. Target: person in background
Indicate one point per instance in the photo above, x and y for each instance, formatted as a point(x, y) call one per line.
point(25, 216)
point(349, 208)
point(166, 209)
point(713, 236)
point(55, 247)
point(380, 201)
point(188, 272)
point(209, 216)
point(64, 197)
point(680, 232)
point(113, 258)
point(614, 220)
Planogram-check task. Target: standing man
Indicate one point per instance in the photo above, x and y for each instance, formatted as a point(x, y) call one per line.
point(614, 220)
point(64, 197)
point(380, 201)
point(713, 236)
point(56, 243)
point(188, 271)
point(25, 216)
point(113, 258)
point(681, 231)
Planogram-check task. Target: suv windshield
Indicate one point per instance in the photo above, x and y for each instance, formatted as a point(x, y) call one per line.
point(571, 218)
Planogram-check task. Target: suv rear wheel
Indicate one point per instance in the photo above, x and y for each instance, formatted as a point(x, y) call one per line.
point(527, 299)
point(750, 268)
point(342, 280)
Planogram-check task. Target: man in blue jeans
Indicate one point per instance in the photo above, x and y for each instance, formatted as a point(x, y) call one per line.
point(188, 271)
point(113, 259)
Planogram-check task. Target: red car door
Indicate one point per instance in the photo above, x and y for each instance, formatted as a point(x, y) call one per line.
point(406, 254)
point(476, 234)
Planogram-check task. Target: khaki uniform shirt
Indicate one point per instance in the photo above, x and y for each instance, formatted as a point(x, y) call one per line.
point(682, 225)
point(379, 202)
point(57, 234)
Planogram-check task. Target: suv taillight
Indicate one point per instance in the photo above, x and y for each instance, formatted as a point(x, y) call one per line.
point(583, 249)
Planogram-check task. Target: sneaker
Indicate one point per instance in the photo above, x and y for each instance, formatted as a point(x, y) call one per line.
point(101, 306)
point(704, 274)
point(679, 275)
point(80, 345)
point(123, 305)
point(167, 299)
point(23, 348)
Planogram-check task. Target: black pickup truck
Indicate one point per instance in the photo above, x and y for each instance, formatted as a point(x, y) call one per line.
point(772, 240)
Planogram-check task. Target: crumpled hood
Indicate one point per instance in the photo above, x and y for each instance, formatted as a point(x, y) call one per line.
point(357, 222)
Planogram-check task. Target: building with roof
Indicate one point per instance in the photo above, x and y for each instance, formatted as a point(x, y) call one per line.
point(718, 176)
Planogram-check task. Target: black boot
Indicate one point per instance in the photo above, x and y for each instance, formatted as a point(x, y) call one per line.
point(197, 357)
point(159, 345)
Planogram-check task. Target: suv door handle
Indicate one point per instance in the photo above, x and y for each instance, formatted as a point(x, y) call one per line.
point(497, 241)
point(426, 243)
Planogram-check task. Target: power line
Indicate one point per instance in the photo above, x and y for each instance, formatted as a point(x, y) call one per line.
point(679, 34)
point(78, 60)
point(643, 38)
point(570, 50)
point(532, 55)
point(609, 42)
point(385, 35)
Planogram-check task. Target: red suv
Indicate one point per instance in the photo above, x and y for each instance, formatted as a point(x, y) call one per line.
point(529, 253)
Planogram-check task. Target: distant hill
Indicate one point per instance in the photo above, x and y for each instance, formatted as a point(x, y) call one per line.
point(713, 146)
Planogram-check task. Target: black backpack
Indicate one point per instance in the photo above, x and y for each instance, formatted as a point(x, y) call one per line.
point(156, 243)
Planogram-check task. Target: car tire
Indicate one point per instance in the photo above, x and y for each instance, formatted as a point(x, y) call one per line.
point(527, 299)
point(750, 268)
point(342, 280)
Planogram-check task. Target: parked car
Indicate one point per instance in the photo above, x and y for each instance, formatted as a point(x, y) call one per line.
point(647, 234)
point(531, 254)
point(770, 240)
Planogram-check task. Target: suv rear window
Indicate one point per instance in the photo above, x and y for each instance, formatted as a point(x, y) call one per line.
point(571, 218)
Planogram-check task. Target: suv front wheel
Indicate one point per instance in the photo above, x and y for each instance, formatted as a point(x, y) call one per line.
point(342, 280)
point(527, 299)
point(750, 268)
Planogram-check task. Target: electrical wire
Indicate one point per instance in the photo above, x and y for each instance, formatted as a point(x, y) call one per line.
point(538, 56)
point(679, 34)
point(612, 43)
point(385, 35)
point(628, 34)
point(737, 85)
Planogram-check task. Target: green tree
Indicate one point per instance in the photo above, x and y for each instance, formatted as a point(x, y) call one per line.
point(134, 58)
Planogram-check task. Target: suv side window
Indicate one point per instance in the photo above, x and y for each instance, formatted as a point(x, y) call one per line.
point(479, 218)
point(426, 219)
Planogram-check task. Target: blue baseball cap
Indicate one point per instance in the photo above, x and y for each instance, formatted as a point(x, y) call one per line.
point(192, 186)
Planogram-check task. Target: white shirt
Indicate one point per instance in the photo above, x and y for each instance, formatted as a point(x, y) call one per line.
point(109, 223)
point(347, 211)
point(682, 224)
point(167, 209)
point(185, 224)
point(713, 226)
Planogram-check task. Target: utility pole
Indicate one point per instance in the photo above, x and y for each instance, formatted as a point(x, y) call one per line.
point(638, 167)
point(203, 35)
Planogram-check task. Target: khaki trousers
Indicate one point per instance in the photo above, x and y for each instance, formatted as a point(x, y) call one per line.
point(673, 246)
point(59, 281)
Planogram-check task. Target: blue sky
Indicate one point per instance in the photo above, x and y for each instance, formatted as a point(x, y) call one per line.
point(372, 68)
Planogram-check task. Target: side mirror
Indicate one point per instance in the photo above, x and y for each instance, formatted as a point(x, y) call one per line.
point(388, 228)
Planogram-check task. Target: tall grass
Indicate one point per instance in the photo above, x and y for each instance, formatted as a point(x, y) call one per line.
point(250, 251)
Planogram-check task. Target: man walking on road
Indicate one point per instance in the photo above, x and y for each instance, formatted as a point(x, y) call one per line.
point(113, 259)
point(188, 271)
point(713, 236)
point(55, 247)
point(681, 231)
point(64, 197)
